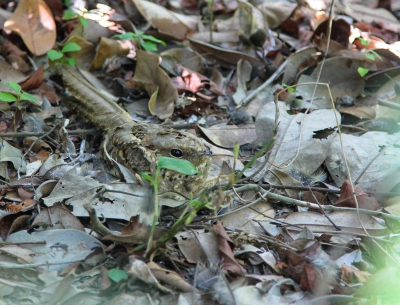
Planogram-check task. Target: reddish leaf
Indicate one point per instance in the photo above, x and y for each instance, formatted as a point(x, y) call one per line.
point(34, 81)
point(364, 200)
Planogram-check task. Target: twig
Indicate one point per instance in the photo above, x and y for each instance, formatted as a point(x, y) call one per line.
point(388, 104)
point(268, 82)
point(323, 212)
point(41, 134)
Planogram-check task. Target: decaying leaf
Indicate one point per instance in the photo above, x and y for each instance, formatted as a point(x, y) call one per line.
point(34, 22)
point(156, 83)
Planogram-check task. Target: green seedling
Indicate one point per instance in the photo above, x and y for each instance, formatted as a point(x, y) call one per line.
point(117, 275)
point(60, 58)
point(16, 95)
point(178, 165)
point(369, 54)
point(147, 42)
point(71, 15)
point(195, 205)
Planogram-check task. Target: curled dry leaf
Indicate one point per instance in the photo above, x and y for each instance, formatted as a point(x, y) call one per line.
point(364, 200)
point(224, 57)
point(156, 82)
point(194, 83)
point(33, 21)
point(107, 49)
point(34, 81)
point(242, 134)
point(15, 56)
point(165, 21)
point(225, 247)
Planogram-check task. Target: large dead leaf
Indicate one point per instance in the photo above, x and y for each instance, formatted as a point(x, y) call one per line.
point(296, 148)
point(167, 22)
point(373, 160)
point(253, 27)
point(276, 12)
point(242, 134)
point(347, 220)
point(107, 49)
point(33, 21)
point(60, 249)
point(224, 57)
point(342, 76)
point(157, 84)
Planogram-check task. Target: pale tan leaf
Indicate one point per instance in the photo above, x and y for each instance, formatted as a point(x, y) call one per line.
point(34, 22)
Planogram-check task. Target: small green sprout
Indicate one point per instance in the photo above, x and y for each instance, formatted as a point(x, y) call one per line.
point(70, 15)
point(147, 42)
point(60, 58)
point(17, 95)
point(369, 54)
point(179, 165)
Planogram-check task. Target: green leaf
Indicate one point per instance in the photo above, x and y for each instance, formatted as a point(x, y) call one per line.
point(149, 46)
point(153, 39)
point(70, 14)
point(83, 21)
point(7, 97)
point(117, 275)
point(370, 56)
point(362, 71)
point(147, 177)
point(71, 47)
point(126, 36)
point(54, 55)
point(13, 86)
point(179, 165)
point(376, 54)
point(28, 97)
point(70, 62)
point(364, 42)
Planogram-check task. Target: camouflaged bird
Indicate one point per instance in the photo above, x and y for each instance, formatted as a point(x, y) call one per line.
point(135, 144)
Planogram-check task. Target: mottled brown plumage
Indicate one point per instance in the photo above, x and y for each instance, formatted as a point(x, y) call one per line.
point(135, 144)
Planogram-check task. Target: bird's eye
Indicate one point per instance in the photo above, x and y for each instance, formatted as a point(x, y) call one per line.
point(177, 153)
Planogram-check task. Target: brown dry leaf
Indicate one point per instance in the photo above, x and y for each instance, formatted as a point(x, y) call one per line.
point(295, 62)
point(165, 21)
point(243, 75)
point(156, 83)
point(362, 12)
point(364, 200)
point(246, 219)
point(8, 74)
point(34, 81)
point(108, 48)
point(359, 112)
point(24, 194)
point(169, 277)
point(224, 57)
point(140, 270)
point(340, 31)
point(49, 92)
point(184, 56)
point(334, 47)
point(55, 217)
point(342, 76)
point(277, 12)
point(253, 27)
point(350, 274)
point(225, 247)
point(347, 220)
point(33, 21)
point(192, 82)
point(39, 144)
point(243, 134)
point(85, 55)
point(15, 56)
